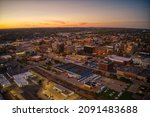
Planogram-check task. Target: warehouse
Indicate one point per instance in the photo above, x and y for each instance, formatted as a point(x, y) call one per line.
point(20, 79)
point(64, 91)
point(75, 70)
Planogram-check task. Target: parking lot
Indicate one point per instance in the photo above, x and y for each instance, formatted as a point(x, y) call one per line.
point(116, 85)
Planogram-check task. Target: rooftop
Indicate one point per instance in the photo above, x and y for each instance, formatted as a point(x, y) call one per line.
point(79, 70)
point(118, 58)
point(132, 69)
point(5, 57)
point(20, 79)
point(145, 73)
point(3, 81)
point(136, 70)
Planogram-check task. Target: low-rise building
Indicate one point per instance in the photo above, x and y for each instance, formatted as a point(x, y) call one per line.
point(5, 57)
point(64, 91)
point(76, 58)
point(146, 62)
point(22, 53)
point(106, 65)
point(141, 60)
point(119, 59)
point(21, 79)
point(3, 81)
point(137, 60)
point(134, 72)
point(36, 58)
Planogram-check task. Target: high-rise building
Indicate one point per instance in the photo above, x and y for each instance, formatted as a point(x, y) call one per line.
point(88, 49)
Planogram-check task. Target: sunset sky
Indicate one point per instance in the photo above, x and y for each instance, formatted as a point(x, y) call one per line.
point(74, 13)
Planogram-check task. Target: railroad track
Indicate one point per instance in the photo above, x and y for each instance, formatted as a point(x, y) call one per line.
point(84, 93)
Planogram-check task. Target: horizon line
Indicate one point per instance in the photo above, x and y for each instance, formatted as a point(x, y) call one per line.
point(75, 27)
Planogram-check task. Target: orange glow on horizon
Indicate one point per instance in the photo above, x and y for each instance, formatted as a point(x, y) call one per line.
point(48, 23)
point(58, 23)
point(73, 13)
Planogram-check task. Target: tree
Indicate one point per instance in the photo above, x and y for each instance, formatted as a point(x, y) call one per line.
point(40, 82)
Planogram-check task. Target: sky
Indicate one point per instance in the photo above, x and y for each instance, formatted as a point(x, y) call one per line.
point(74, 13)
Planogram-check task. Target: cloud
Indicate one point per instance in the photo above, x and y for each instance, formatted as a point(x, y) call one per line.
point(60, 23)
point(83, 23)
point(80, 24)
point(55, 21)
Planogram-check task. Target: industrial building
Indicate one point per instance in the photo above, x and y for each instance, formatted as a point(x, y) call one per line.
point(21, 79)
point(90, 80)
point(134, 72)
point(82, 74)
point(64, 91)
point(75, 70)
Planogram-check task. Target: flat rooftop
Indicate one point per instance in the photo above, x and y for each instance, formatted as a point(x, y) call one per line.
point(76, 69)
point(118, 58)
point(131, 69)
point(136, 70)
point(145, 73)
point(3, 81)
point(14, 67)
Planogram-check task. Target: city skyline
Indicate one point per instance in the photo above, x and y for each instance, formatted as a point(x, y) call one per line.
point(65, 13)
